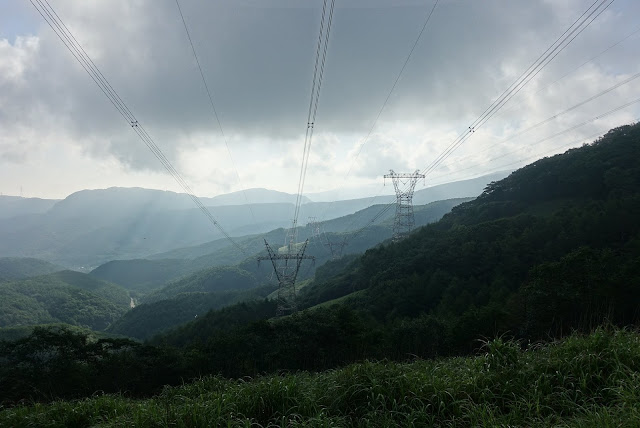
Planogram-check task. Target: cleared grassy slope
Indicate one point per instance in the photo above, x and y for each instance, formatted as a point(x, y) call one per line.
point(588, 381)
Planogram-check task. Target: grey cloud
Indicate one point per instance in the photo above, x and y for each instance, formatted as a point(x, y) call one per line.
point(258, 62)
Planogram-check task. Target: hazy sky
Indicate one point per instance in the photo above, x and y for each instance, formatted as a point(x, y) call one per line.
point(59, 134)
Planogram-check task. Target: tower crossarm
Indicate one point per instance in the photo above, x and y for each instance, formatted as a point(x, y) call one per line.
point(404, 175)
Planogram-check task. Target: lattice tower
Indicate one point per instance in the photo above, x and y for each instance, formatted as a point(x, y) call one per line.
point(404, 185)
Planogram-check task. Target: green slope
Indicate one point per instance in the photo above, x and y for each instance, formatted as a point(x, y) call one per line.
point(142, 275)
point(149, 319)
point(12, 268)
point(67, 297)
point(553, 247)
point(215, 279)
point(586, 381)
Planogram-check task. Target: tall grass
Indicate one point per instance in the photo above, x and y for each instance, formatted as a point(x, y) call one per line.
point(589, 381)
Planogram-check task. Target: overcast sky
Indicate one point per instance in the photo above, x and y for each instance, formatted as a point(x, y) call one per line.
point(59, 134)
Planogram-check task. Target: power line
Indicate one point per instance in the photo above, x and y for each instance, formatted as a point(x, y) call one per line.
point(213, 109)
point(386, 100)
point(573, 70)
point(540, 63)
point(557, 115)
point(393, 87)
point(534, 157)
point(323, 42)
point(572, 128)
point(75, 48)
point(388, 206)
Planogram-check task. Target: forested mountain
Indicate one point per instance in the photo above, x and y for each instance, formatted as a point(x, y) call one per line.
point(149, 319)
point(20, 268)
point(144, 275)
point(208, 280)
point(184, 299)
point(553, 247)
point(196, 293)
point(255, 196)
point(92, 227)
point(422, 195)
point(68, 297)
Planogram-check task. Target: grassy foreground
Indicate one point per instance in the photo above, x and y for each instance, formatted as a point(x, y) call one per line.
point(589, 381)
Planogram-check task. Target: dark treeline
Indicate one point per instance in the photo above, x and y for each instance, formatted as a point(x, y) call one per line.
point(553, 248)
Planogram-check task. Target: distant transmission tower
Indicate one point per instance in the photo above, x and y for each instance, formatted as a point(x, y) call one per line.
point(404, 184)
point(314, 225)
point(286, 267)
point(336, 248)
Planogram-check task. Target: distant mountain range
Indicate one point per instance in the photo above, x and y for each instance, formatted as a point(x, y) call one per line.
point(91, 227)
point(439, 192)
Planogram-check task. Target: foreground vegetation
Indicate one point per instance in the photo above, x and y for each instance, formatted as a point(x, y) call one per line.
point(589, 381)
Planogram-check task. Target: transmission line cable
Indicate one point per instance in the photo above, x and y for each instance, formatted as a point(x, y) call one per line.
point(386, 100)
point(321, 53)
point(214, 111)
point(534, 157)
point(75, 48)
point(388, 206)
point(540, 63)
point(393, 87)
point(573, 70)
point(557, 115)
point(572, 128)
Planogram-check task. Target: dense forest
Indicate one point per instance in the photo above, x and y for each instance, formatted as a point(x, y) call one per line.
point(69, 297)
point(150, 319)
point(551, 250)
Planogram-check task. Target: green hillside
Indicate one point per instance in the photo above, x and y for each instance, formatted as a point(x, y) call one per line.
point(142, 275)
point(62, 297)
point(552, 248)
point(208, 280)
point(12, 268)
point(149, 319)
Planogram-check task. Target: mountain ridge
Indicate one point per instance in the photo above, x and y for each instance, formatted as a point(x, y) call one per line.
point(86, 230)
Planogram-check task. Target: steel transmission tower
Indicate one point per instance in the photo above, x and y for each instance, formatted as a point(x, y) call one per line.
point(314, 224)
point(336, 248)
point(404, 184)
point(286, 267)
